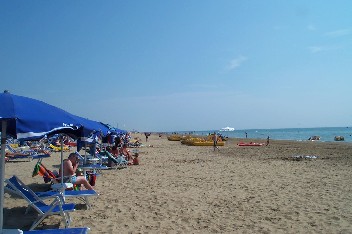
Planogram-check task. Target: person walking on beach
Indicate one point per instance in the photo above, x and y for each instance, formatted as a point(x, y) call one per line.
point(215, 140)
point(267, 141)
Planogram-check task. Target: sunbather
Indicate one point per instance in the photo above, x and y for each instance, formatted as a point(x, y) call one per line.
point(10, 154)
point(135, 160)
point(125, 152)
point(115, 151)
point(70, 166)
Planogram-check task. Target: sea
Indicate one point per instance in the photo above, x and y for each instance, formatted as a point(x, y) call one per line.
point(326, 134)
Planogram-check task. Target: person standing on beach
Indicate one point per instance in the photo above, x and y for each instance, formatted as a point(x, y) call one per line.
point(267, 141)
point(215, 140)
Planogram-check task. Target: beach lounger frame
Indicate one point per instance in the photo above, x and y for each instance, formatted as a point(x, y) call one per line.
point(82, 195)
point(96, 168)
point(73, 230)
point(120, 163)
point(57, 206)
point(27, 157)
point(24, 155)
point(14, 151)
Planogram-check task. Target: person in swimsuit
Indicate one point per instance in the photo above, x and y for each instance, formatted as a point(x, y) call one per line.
point(215, 141)
point(125, 152)
point(70, 166)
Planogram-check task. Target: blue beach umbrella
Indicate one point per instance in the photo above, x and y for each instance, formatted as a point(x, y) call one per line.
point(27, 118)
point(117, 131)
point(30, 118)
point(91, 126)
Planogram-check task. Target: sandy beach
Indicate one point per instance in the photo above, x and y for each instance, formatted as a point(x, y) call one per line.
point(190, 189)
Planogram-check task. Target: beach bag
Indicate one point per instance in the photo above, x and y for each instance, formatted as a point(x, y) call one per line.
point(91, 177)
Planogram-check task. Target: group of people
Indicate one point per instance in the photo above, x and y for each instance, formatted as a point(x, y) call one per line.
point(117, 139)
point(119, 149)
point(122, 151)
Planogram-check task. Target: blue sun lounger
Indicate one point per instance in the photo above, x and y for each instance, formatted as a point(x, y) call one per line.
point(80, 194)
point(120, 161)
point(74, 230)
point(56, 207)
point(28, 157)
point(59, 231)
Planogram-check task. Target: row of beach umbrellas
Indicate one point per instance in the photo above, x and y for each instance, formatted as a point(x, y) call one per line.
point(31, 119)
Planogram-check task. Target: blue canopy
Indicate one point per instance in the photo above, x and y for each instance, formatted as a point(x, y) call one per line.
point(28, 118)
point(117, 131)
point(90, 126)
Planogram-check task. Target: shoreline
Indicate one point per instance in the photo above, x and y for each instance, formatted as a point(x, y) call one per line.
point(327, 134)
point(190, 189)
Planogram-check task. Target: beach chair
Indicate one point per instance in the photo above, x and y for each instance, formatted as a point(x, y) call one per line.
point(29, 155)
point(95, 167)
point(57, 206)
point(19, 150)
point(28, 158)
point(103, 158)
point(76, 230)
point(120, 161)
point(83, 195)
point(49, 176)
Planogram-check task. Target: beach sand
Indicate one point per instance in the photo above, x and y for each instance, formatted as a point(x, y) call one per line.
point(190, 189)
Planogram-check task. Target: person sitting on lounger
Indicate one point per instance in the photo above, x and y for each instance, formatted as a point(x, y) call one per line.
point(115, 151)
point(125, 152)
point(70, 166)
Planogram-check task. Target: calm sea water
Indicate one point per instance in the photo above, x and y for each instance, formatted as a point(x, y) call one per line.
point(298, 134)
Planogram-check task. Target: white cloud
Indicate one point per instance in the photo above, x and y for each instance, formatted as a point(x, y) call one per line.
point(235, 63)
point(339, 33)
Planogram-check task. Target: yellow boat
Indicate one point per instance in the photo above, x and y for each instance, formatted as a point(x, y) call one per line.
point(174, 138)
point(190, 141)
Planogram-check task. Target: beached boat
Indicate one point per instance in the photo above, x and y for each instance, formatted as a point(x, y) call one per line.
point(227, 129)
point(190, 140)
point(174, 138)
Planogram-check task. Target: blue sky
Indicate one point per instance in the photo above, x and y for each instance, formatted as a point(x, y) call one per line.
point(183, 65)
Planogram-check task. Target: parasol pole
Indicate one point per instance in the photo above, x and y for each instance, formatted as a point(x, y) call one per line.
point(62, 160)
point(3, 146)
